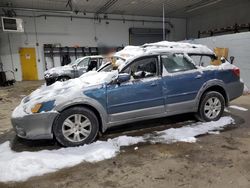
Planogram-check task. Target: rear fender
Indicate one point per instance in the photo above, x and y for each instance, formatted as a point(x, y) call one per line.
point(209, 84)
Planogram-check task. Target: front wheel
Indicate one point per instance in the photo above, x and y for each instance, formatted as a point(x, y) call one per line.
point(63, 78)
point(76, 126)
point(211, 106)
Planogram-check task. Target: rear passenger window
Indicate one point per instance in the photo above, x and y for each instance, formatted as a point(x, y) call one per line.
point(176, 63)
point(202, 60)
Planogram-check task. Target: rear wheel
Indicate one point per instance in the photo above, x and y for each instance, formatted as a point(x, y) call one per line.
point(76, 126)
point(211, 106)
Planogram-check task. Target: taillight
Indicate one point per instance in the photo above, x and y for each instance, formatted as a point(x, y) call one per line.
point(236, 71)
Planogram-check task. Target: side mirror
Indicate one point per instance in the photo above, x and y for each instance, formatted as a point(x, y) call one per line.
point(123, 77)
point(232, 59)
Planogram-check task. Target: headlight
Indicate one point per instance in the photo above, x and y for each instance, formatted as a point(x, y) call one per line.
point(43, 107)
point(36, 108)
point(47, 75)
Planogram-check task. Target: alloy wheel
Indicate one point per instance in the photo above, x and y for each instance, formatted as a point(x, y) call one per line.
point(76, 128)
point(212, 108)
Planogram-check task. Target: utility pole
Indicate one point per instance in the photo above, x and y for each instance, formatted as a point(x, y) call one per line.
point(163, 22)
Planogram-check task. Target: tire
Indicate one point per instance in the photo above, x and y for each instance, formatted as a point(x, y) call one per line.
point(211, 107)
point(63, 78)
point(69, 132)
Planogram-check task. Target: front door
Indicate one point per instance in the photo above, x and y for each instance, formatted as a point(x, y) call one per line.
point(139, 97)
point(28, 63)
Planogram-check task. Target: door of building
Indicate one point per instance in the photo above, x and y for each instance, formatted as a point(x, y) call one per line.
point(28, 63)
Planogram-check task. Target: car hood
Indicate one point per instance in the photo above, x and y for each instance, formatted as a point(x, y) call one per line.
point(59, 70)
point(61, 92)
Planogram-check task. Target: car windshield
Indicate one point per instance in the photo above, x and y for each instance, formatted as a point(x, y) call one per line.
point(75, 62)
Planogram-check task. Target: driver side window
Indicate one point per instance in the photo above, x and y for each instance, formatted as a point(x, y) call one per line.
point(143, 68)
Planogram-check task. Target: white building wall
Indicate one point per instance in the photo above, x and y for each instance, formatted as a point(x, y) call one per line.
point(69, 32)
point(239, 47)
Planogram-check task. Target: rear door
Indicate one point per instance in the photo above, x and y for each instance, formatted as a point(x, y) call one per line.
point(181, 82)
point(139, 97)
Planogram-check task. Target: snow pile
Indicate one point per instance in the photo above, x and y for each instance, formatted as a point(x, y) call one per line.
point(188, 133)
point(63, 91)
point(23, 165)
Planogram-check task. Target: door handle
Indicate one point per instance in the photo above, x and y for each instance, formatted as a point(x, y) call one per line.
point(198, 76)
point(153, 84)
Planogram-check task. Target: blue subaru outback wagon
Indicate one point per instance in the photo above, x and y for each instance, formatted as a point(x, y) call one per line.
point(153, 81)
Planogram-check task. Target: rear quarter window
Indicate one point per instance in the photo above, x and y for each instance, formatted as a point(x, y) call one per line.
point(202, 60)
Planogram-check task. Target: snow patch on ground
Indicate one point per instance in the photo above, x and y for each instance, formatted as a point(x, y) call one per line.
point(189, 133)
point(238, 108)
point(19, 166)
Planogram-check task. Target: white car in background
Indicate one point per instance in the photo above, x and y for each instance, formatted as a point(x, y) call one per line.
point(73, 70)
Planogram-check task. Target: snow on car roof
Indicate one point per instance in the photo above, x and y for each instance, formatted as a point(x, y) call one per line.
point(178, 47)
point(164, 46)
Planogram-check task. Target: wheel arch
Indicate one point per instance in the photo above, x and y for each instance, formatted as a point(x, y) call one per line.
point(218, 88)
point(100, 115)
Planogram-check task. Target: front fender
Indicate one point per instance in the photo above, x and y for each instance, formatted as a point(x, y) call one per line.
point(89, 102)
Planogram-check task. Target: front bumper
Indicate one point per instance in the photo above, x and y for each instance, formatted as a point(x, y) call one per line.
point(35, 126)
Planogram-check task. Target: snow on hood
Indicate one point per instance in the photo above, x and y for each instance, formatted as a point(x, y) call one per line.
point(19, 166)
point(63, 91)
point(59, 70)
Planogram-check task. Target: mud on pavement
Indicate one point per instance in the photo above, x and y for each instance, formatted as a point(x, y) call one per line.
point(221, 160)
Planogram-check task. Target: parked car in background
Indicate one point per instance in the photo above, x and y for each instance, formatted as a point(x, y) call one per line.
point(155, 80)
point(73, 70)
